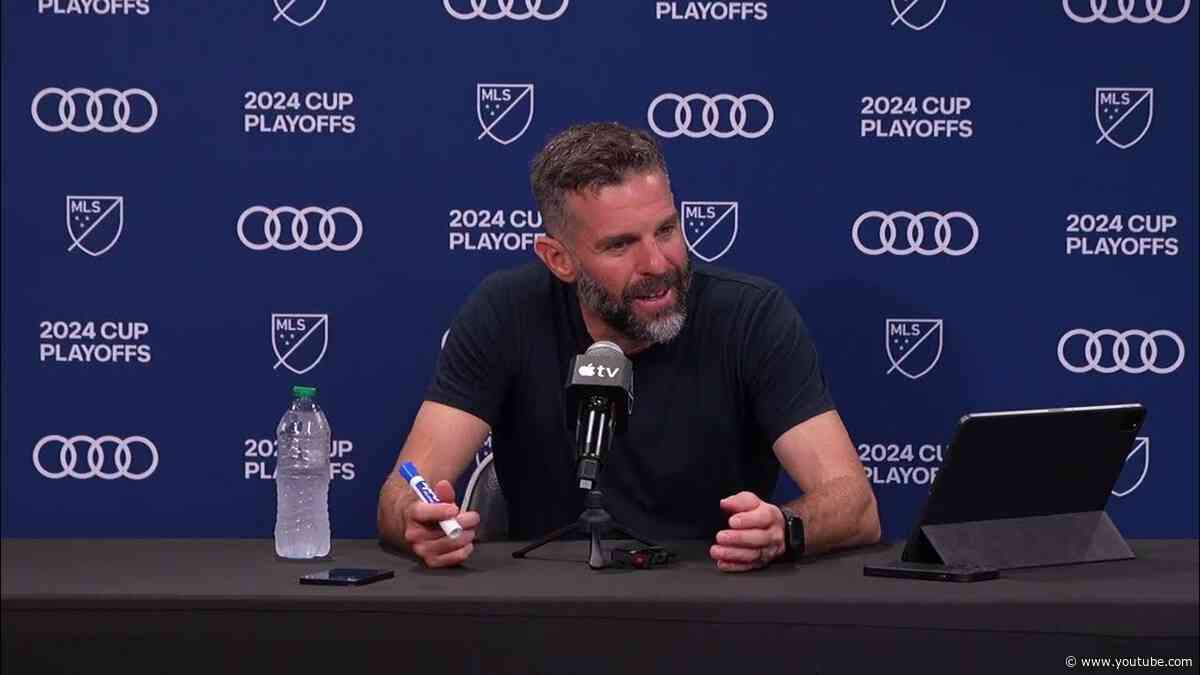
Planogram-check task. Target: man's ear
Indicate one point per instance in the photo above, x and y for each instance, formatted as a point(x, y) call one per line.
point(556, 257)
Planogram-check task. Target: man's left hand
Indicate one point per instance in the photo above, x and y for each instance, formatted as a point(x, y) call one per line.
point(755, 537)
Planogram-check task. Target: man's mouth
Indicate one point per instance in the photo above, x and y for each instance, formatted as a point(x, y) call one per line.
point(654, 299)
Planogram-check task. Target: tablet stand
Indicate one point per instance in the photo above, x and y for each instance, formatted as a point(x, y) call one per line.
point(1008, 543)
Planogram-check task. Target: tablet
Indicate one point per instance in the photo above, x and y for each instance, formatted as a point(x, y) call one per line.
point(1048, 466)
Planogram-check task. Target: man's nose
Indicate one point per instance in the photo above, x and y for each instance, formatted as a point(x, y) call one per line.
point(652, 261)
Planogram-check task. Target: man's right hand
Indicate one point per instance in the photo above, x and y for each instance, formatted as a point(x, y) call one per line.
point(425, 537)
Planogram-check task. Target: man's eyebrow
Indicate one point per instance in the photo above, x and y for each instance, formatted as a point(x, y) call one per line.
point(616, 239)
point(628, 237)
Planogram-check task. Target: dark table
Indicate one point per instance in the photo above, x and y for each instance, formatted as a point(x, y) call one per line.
point(141, 605)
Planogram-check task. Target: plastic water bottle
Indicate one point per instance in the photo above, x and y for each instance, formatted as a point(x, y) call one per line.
point(302, 446)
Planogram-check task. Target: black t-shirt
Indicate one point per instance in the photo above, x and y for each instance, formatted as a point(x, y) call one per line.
point(707, 406)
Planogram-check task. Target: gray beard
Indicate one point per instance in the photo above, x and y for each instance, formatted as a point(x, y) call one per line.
point(618, 312)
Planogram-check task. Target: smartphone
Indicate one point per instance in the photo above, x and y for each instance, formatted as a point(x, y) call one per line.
point(931, 572)
point(346, 576)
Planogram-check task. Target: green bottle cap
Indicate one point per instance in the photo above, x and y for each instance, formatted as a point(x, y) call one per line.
point(304, 392)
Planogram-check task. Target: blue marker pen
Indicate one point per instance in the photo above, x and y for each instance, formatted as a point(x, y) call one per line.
point(410, 473)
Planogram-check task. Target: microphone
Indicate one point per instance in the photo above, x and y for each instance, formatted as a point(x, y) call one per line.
point(600, 394)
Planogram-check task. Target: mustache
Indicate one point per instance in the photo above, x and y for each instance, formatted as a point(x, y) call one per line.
point(655, 285)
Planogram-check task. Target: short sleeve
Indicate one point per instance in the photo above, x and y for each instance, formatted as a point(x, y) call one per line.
point(780, 368)
point(476, 365)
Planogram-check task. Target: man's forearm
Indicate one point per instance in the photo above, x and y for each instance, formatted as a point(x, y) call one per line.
point(839, 514)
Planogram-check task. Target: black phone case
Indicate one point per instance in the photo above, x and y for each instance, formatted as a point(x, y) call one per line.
point(930, 572)
point(366, 577)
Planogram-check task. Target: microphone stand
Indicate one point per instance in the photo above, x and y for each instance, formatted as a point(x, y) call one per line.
point(596, 522)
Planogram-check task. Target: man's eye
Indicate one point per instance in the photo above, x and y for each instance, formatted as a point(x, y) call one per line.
point(618, 246)
point(666, 229)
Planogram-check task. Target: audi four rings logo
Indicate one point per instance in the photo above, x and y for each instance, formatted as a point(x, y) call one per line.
point(505, 9)
point(326, 228)
point(1124, 10)
point(96, 450)
point(944, 228)
point(712, 117)
point(1096, 347)
point(99, 117)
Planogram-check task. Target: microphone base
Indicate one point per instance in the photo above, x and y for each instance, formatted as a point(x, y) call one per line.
point(596, 522)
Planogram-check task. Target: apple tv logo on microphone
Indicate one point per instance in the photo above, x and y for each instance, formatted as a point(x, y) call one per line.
point(592, 370)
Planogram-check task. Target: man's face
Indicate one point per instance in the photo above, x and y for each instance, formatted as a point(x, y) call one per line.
point(632, 262)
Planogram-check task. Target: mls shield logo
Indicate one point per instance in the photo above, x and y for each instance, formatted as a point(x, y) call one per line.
point(1123, 114)
point(917, 14)
point(1137, 463)
point(709, 228)
point(913, 345)
point(299, 340)
point(504, 110)
point(94, 223)
point(295, 11)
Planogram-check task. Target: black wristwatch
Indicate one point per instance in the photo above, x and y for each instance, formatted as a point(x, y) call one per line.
point(793, 536)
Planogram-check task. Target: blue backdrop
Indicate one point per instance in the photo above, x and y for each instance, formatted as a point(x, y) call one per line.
point(974, 205)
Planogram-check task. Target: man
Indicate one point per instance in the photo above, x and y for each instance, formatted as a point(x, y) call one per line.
point(727, 385)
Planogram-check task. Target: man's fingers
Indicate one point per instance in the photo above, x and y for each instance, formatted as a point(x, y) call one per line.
point(735, 554)
point(444, 491)
point(431, 513)
point(455, 557)
point(742, 501)
point(415, 532)
point(425, 535)
point(752, 535)
point(745, 538)
point(432, 548)
point(418, 531)
point(761, 518)
point(736, 559)
point(468, 519)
